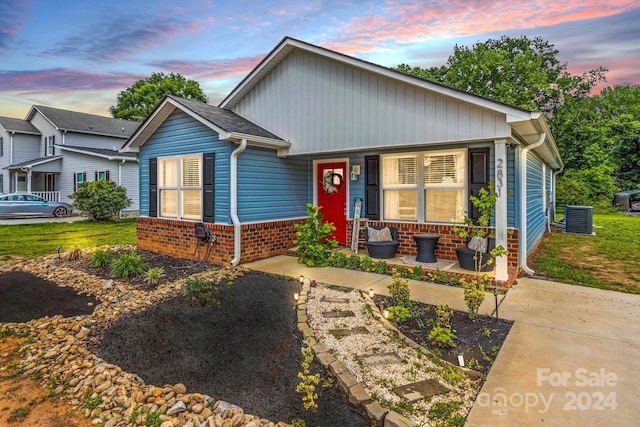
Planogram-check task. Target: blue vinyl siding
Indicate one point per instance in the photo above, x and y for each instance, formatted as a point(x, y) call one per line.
point(272, 188)
point(180, 134)
point(536, 221)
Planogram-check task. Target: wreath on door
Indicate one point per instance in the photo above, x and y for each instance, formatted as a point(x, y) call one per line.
point(331, 182)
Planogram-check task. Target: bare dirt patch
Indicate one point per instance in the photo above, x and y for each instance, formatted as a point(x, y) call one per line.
point(25, 402)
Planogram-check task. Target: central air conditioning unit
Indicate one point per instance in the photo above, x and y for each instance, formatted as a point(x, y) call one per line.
point(578, 220)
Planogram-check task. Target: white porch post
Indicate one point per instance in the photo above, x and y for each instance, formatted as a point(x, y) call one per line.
point(501, 205)
point(29, 181)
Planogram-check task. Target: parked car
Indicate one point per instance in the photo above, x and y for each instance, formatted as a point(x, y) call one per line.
point(18, 205)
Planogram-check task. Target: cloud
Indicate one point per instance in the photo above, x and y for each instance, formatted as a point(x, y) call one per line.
point(13, 15)
point(118, 39)
point(407, 22)
point(62, 80)
point(209, 70)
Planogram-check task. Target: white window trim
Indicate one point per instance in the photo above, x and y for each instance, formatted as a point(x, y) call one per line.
point(420, 188)
point(179, 187)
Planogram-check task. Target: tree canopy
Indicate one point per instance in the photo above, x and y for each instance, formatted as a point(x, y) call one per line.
point(138, 101)
point(598, 135)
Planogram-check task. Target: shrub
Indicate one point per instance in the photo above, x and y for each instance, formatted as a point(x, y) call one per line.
point(101, 199)
point(100, 258)
point(380, 267)
point(153, 275)
point(399, 290)
point(417, 273)
point(353, 262)
point(367, 264)
point(474, 295)
point(202, 290)
point(441, 337)
point(127, 265)
point(444, 314)
point(314, 239)
point(399, 313)
point(338, 259)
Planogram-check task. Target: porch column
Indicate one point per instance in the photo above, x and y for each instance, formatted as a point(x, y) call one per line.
point(29, 181)
point(501, 205)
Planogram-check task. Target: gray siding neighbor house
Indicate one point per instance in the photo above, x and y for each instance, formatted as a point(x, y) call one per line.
point(311, 125)
point(52, 150)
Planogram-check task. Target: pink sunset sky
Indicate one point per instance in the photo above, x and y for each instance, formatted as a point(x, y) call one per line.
point(79, 55)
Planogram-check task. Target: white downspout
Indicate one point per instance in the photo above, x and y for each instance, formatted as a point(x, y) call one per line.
point(237, 237)
point(120, 214)
point(523, 198)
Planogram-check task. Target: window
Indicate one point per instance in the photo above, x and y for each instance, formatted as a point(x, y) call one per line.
point(79, 178)
point(399, 187)
point(444, 176)
point(104, 175)
point(428, 185)
point(49, 142)
point(180, 187)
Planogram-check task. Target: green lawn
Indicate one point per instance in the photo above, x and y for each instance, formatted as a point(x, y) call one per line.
point(33, 240)
point(610, 260)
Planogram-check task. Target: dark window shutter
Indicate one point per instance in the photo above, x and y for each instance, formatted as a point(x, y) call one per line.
point(53, 145)
point(208, 187)
point(1, 146)
point(372, 187)
point(96, 178)
point(153, 187)
point(106, 176)
point(478, 176)
point(45, 146)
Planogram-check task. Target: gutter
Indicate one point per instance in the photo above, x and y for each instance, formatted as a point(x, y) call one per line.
point(237, 241)
point(523, 198)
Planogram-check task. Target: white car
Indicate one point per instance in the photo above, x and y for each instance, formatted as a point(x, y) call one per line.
point(20, 205)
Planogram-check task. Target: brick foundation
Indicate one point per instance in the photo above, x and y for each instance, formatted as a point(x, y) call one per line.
point(176, 238)
point(447, 244)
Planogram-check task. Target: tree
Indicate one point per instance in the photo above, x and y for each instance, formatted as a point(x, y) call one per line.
point(101, 199)
point(138, 101)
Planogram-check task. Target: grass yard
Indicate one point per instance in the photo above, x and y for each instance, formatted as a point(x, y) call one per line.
point(610, 260)
point(33, 240)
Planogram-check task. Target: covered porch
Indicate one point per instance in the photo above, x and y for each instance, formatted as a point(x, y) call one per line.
point(40, 177)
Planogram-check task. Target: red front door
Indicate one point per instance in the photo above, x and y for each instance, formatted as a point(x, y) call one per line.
point(332, 197)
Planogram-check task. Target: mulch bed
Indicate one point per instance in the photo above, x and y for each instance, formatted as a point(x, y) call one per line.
point(246, 351)
point(24, 297)
point(479, 339)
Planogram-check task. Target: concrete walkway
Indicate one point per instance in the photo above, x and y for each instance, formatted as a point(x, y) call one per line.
point(572, 357)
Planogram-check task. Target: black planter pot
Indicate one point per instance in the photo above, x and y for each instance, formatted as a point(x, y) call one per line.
point(467, 262)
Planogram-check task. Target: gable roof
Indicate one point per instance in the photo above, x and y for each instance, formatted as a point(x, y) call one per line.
point(99, 152)
point(18, 126)
point(229, 125)
point(73, 121)
point(527, 126)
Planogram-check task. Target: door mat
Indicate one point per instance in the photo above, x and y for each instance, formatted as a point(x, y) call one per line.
point(442, 265)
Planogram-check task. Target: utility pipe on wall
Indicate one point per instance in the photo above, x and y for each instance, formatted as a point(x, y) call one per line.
point(237, 236)
point(523, 198)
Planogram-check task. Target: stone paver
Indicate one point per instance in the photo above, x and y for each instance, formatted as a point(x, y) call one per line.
point(380, 359)
point(420, 390)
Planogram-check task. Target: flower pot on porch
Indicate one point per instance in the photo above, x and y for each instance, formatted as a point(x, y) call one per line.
point(467, 261)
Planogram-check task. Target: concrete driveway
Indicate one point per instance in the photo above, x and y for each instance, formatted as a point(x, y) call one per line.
point(39, 220)
point(572, 358)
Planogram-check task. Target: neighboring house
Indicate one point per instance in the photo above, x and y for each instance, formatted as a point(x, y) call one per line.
point(310, 125)
point(51, 151)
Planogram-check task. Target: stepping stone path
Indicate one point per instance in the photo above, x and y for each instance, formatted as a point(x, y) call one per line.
point(380, 359)
point(420, 390)
point(338, 313)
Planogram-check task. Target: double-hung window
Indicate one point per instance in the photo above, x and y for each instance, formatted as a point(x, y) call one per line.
point(49, 145)
point(427, 186)
point(180, 187)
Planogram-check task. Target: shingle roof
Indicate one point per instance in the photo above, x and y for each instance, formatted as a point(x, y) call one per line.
point(34, 162)
point(100, 151)
point(74, 121)
point(18, 126)
point(226, 120)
